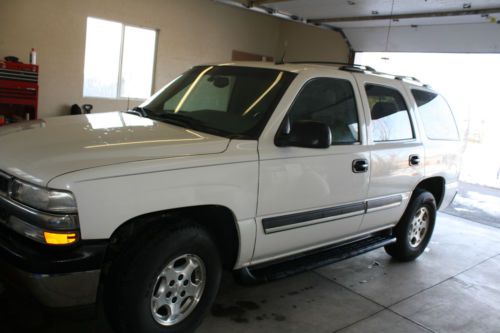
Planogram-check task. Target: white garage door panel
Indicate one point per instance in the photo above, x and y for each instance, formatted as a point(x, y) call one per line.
point(461, 38)
point(426, 21)
point(315, 9)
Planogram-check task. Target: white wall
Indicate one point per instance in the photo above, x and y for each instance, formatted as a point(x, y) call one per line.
point(190, 32)
point(304, 43)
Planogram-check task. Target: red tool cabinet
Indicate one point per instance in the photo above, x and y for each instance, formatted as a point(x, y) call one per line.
point(18, 92)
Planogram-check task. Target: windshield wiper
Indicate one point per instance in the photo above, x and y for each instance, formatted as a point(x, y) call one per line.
point(191, 123)
point(143, 112)
point(179, 119)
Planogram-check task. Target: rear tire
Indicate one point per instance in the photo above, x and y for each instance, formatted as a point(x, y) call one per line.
point(165, 282)
point(414, 230)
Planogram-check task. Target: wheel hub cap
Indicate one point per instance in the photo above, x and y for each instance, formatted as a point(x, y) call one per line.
point(178, 289)
point(418, 227)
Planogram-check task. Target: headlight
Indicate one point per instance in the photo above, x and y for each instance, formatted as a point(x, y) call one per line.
point(43, 199)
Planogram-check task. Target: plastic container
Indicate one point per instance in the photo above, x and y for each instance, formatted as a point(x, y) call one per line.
point(33, 57)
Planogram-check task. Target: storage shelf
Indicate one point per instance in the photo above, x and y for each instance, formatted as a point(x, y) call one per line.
point(18, 91)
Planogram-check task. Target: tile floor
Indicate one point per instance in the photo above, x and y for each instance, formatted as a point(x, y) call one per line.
point(453, 287)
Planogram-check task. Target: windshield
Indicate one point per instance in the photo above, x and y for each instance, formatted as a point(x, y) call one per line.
point(231, 101)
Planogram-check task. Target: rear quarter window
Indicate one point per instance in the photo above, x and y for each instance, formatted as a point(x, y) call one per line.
point(439, 123)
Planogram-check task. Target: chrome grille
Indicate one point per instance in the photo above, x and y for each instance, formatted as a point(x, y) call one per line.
point(4, 183)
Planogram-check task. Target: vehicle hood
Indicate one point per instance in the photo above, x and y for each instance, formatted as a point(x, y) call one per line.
point(40, 150)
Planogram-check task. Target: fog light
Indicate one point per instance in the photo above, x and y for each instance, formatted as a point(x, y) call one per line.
point(59, 238)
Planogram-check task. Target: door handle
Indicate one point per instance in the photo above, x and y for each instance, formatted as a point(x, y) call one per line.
point(359, 166)
point(414, 160)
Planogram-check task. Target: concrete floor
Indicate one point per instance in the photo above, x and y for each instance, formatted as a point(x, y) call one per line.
point(452, 287)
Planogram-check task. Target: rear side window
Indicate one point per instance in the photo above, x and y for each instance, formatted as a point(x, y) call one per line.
point(436, 115)
point(330, 101)
point(390, 117)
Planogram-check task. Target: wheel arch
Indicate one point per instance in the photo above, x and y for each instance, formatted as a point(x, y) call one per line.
point(434, 185)
point(219, 221)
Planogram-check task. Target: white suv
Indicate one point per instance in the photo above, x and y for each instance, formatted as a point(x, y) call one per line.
point(264, 169)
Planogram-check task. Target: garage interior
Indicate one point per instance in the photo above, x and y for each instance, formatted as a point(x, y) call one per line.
point(453, 287)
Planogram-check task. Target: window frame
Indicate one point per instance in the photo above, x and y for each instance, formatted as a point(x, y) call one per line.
point(408, 111)
point(356, 103)
point(120, 62)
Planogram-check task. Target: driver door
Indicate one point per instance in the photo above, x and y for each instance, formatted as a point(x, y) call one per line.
point(310, 197)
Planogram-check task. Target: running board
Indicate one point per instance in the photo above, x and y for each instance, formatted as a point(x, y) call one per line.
point(311, 260)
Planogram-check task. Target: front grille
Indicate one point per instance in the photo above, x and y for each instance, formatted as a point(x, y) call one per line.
point(4, 184)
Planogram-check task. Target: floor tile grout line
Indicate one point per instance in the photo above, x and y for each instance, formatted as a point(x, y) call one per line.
point(404, 299)
point(349, 289)
point(372, 301)
point(445, 280)
point(411, 320)
point(359, 320)
point(373, 314)
point(354, 292)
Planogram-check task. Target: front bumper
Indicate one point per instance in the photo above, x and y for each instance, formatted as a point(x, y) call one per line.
point(55, 290)
point(57, 277)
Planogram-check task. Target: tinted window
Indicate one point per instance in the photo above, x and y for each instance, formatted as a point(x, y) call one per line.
point(436, 115)
point(332, 102)
point(235, 102)
point(206, 95)
point(390, 117)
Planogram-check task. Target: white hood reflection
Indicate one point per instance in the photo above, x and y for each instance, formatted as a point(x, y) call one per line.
point(117, 119)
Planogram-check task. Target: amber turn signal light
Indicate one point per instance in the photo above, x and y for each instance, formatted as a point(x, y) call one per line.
point(59, 238)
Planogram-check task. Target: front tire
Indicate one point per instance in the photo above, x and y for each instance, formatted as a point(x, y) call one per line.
point(414, 230)
point(165, 283)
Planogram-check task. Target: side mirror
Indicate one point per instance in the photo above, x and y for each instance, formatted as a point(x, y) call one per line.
point(306, 134)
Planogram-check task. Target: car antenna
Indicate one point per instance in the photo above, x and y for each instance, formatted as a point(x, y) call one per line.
point(282, 60)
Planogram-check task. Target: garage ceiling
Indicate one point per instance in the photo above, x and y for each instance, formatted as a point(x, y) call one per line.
point(398, 25)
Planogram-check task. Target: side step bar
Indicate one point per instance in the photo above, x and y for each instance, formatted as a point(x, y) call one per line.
point(312, 260)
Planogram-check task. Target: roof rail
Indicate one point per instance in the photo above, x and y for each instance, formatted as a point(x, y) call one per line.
point(371, 70)
point(411, 79)
point(408, 78)
point(345, 65)
point(358, 68)
point(318, 62)
point(362, 69)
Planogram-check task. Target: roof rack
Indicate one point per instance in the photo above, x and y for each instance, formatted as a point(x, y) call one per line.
point(318, 62)
point(359, 68)
point(345, 65)
point(408, 78)
point(371, 70)
point(362, 69)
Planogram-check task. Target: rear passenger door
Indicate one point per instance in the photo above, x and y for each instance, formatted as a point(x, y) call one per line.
point(309, 197)
point(397, 153)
